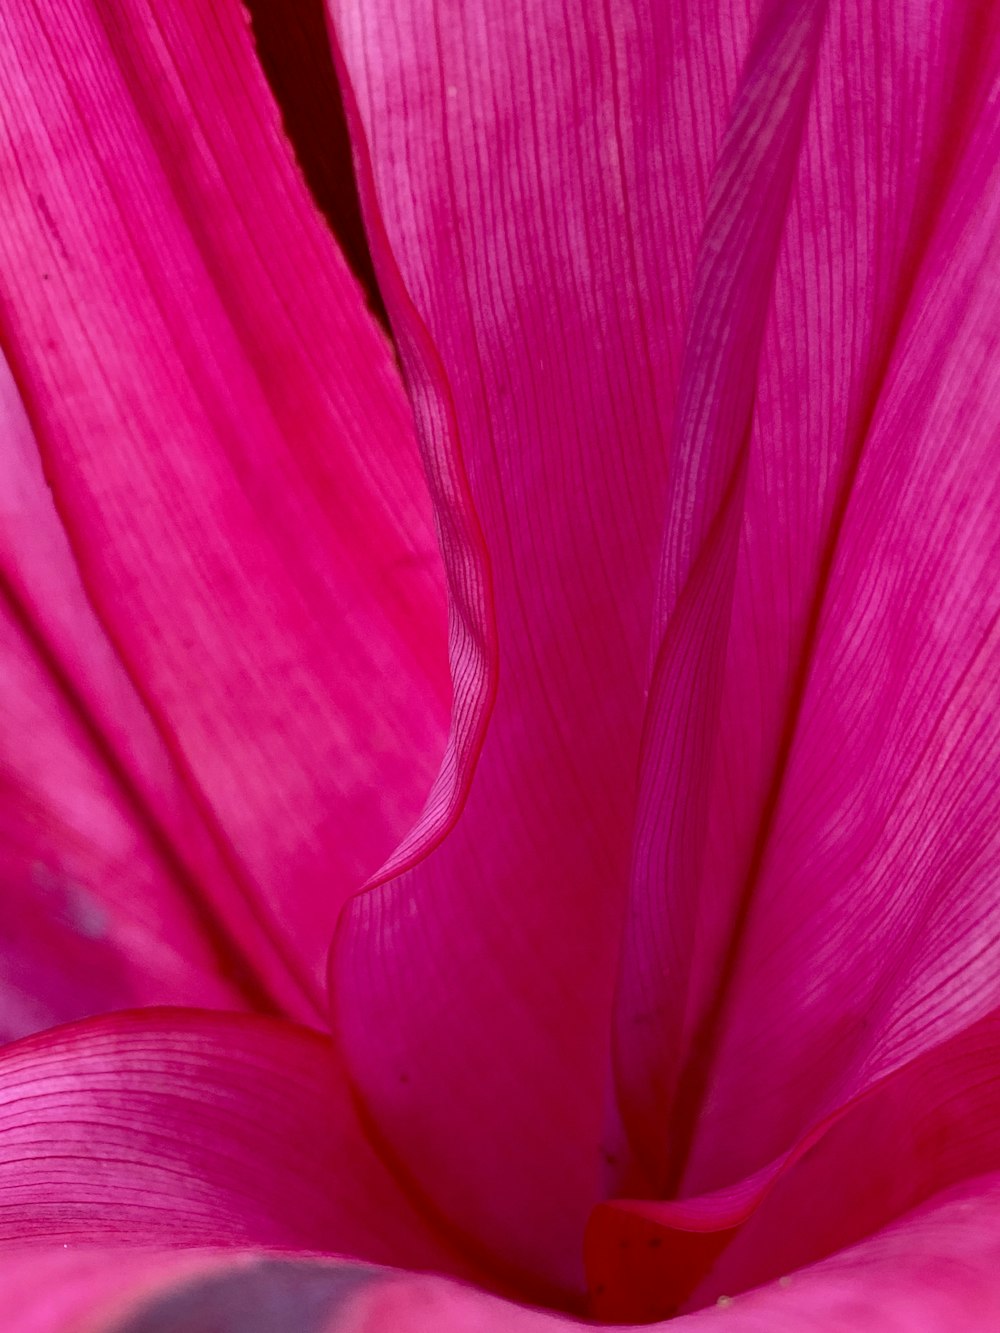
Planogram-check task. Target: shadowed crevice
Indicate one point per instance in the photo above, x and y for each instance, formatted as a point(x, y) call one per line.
point(294, 52)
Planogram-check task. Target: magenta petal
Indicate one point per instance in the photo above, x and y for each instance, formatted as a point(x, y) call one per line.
point(231, 454)
point(97, 910)
point(185, 1128)
point(841, 913)
point(536, 264)
point(935, 1271)
point(54, 1290)
point(924, 1129)
point(705, 510)
point(290, 37)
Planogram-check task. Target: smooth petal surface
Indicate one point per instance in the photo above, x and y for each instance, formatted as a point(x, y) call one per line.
point(230, 452)
point(923, 1129)
point(933, 1272)
point(179, 1128)
point(837, 912)
point(147, 1291)
point(534, 178)
point(926, 1128)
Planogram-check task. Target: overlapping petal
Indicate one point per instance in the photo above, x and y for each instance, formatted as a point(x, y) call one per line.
point(705, 512)
point(290, 37)
point(817, 788)
point(184, 1128)
point(534, 178)
point(98, 911)
point(925, 1128)
point(935, 1270)
point(708, 558)
point(843, 916)
point(232, 459)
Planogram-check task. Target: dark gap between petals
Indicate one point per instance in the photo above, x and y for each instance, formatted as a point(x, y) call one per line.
point(294, 52)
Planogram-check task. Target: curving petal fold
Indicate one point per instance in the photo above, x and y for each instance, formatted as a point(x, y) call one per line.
point(705, 509)
point(177, 1128)
point(534, 180)
point(232, 460)
point(935, 1270)
point(925, 1128)
point(838, 913)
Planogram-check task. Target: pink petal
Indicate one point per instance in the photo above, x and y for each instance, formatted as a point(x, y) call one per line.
point(935, 1271)
point(148, 1291)
point(705, 509)
point(926, 1128)
point(98, 911)
point(290, 37)
point(515, 161)
point(231, 454)
point(185, 1128)
point(838, 913)
point(922, 1129)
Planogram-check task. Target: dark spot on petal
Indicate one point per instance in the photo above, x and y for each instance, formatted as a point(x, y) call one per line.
point(272, 1296)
